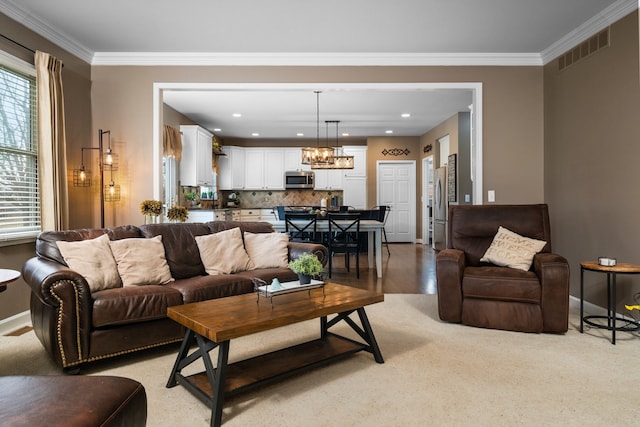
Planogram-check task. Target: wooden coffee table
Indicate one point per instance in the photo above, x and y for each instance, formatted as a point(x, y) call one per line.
point(212, 324)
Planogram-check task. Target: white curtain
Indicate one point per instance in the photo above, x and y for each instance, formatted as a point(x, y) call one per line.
point(52, 158)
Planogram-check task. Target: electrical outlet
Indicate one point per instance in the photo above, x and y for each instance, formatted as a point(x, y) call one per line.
point(491, 196)
point(467, 198)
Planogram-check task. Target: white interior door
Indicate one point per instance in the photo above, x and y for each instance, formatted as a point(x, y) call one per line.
point(427, 199)
point(397, 189)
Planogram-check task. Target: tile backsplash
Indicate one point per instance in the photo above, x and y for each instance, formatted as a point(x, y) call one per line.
point(269, 199)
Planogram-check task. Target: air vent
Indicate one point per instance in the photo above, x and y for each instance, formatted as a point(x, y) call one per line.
point(584, 49)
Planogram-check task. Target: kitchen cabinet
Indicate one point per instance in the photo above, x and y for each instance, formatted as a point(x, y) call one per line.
point(196, 163)
point(328, 179)
point(359, 153)
point(355, 192)
point(264, 169)
point(293, 160)
point(231, 168)
point(256, 215)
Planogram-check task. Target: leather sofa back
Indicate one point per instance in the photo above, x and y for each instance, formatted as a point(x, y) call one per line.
point(179, 241)
point(46, 246)
point(473, 227)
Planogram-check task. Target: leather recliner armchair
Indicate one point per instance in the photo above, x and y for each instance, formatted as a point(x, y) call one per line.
point(479, 294)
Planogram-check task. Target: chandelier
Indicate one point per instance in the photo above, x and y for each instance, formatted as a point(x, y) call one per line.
point(340, 160)
point(318, 156)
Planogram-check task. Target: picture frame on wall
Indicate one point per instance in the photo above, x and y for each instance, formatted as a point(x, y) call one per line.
point(452, 195)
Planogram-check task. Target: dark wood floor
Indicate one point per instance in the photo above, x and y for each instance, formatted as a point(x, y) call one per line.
point(411, 269)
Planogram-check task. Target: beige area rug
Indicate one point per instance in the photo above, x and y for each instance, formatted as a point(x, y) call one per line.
point(434, 374)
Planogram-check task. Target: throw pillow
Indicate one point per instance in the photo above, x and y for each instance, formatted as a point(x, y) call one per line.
point(141, 261)
point(267, 250)
point(510, 249)
point(93, 260)
point(223, 252)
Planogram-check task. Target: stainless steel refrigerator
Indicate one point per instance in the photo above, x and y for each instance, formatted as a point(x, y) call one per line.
point(440, 204)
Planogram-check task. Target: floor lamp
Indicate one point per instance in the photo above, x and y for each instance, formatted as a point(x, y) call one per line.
point(107, 161)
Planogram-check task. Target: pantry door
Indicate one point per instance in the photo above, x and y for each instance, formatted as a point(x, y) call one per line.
point(396, 188)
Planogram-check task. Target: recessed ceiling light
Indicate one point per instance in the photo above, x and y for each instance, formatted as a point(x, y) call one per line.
point(345, 134)
point(299, 134)
point(237, 115)
point(405, 115)
point(388, 131)
point(255, 134)
point(217, 130)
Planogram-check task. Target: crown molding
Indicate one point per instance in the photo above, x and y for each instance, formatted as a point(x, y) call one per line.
point(608, 16)
point(14, 12)
point(314, 59)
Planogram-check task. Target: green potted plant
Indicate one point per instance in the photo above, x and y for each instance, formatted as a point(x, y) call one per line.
point(306, 266)
point(192, 197)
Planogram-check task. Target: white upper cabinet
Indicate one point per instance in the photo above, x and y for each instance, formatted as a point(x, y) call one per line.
point(328, 179)
point(264, 169)
point(196, 162)
point(359, 153)
point(231, 169)
point(293, 160)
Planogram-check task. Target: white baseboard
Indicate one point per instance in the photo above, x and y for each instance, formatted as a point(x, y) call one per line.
point(594, 310)
point(14, 322)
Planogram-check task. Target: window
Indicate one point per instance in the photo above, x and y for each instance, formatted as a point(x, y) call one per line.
point(19, 198)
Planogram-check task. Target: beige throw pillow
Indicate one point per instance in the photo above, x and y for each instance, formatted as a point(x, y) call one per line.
point(267, 250)
point(223, 252)
point(141, 261)
point(93, 260)
point(510, 249)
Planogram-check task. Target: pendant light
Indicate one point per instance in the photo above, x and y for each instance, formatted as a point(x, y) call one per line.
point(319, 155)
point(340, 160)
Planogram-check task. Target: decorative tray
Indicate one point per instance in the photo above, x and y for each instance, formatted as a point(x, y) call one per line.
point(266, 290)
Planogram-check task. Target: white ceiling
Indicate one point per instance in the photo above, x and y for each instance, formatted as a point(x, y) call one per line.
point(382, 32)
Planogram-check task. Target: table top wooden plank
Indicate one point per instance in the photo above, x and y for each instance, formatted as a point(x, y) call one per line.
point(620, 267)
point(223, 319)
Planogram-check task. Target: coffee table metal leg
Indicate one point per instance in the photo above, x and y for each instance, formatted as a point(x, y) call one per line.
point(371, 340)
point(217, 379)
point(184, 349)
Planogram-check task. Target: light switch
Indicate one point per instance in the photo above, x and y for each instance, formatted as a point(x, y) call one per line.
point(467, 198)
point(491, 196)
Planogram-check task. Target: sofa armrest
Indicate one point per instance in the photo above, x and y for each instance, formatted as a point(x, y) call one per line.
point(60, 309)
point(298, 248)
point(450, 264)
point(553, 272)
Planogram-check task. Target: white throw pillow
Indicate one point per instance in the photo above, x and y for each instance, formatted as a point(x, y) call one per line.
point(93, 260)
point(141, 261)
point(510, 249)
point(223, 252)
point(267, 250)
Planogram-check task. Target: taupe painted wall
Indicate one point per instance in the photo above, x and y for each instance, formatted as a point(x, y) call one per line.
point(77, 91)
point(513, 128)
point(592, 147)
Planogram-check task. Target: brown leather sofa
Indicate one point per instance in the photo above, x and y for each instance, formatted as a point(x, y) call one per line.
point(484, 295)
point(77, 326)
point(72, 401)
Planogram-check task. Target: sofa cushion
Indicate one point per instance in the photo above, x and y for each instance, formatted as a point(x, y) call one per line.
point(202, 288)
point(267, 250)
point(223, 252)
point(47, 248)
point(501, 284)
point(509, 249)
point(141, 261)
point(92, 259)
point(132, 304)
point(180, 246)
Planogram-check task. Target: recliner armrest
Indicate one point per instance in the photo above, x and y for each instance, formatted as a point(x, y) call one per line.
point(450, 264)
point(553, 272)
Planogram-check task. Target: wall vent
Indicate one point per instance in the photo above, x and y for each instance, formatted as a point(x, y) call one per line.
point(584, 49)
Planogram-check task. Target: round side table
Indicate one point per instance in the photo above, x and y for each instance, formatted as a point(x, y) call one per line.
point(6, 277)
point(611, 272)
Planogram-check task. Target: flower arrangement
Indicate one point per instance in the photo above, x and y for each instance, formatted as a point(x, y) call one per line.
point(151, 207)
point(306, 264)
point(178, 213)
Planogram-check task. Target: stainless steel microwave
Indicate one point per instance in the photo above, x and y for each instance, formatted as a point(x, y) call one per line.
point(298, 179)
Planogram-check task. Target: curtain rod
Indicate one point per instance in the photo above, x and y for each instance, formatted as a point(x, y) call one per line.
point(19, 44)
